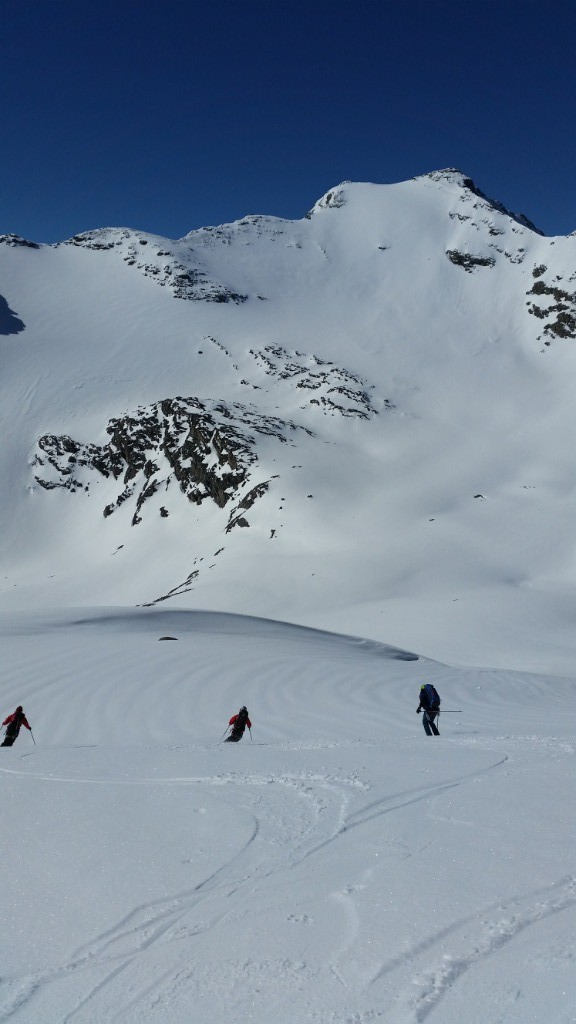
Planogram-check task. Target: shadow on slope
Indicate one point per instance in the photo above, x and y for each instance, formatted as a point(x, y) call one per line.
point(9, 322)
point(186, 622)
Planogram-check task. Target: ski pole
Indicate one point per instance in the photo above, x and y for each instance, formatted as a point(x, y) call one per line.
point(250, 731)
point(224, 733)
point(32, 735)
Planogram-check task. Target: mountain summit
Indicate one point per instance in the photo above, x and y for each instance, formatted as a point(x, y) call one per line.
point(359, 417)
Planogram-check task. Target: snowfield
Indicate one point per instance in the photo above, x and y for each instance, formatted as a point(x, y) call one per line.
point(339, 866)
point(411, 350)
point(304, 466)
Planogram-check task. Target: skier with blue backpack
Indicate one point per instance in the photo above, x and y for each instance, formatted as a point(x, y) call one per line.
point(430, 705)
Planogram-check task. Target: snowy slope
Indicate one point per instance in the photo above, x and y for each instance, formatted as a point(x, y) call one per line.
point(338, 867)
point(359, 422)
point(400, 368)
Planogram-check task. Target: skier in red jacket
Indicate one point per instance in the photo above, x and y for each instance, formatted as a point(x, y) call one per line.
point(239, 723)
point(13, 724)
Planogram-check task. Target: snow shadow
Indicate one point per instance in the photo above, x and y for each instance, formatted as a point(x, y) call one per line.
point(182, 622)
point(9, 322)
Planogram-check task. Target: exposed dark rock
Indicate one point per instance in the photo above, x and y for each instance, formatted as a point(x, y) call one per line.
point(238, 521)
point(331, 201)
point(236, 518)
point(181, 588)
point(452, 174)
point(339, 391)
point(11, 239)
point(208, 449)
point(469, 262)
point(185, 281)
point(560, 315)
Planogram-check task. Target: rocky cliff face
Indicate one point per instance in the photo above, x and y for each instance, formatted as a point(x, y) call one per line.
point(208, 450)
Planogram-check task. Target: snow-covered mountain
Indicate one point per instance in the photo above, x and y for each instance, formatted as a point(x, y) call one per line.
point(361, 420)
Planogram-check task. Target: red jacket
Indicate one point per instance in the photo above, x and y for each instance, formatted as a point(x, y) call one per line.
point(234, 717)
point(23, 720)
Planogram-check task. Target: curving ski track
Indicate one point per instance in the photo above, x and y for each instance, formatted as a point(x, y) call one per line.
point(340, 869)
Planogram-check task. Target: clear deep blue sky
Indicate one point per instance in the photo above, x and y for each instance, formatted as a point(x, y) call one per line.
point(166, 115)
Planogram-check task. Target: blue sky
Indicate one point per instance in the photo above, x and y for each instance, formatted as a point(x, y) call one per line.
point(166, 115)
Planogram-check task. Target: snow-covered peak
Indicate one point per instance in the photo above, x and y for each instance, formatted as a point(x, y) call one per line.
point(458, 181)
point(18, 241)
point(333, 199)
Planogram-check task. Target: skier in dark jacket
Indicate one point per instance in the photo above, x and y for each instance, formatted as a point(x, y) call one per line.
point(238, 723)
point(430, 705)
point(13, 725)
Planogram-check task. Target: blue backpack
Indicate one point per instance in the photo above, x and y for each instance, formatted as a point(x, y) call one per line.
point(432, 698)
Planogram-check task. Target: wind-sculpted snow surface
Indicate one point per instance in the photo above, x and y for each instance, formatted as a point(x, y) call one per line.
point(338, 866)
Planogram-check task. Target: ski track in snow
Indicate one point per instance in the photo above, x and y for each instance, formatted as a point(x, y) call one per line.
point(327, 836)
point(160, 920)
point(496, 927)
point(222, 894)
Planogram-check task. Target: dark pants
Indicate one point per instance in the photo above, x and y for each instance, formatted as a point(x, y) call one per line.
point(235, 735)
point(8, 740)
point(428, 723)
